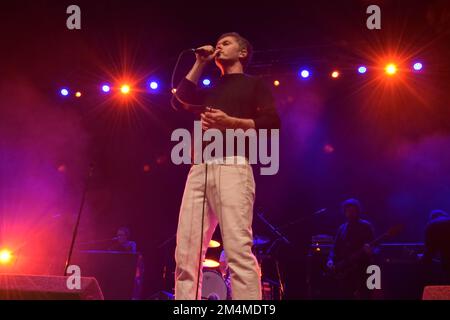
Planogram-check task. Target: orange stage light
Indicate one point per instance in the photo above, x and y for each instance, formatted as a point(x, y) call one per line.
point(125, 89)
point(214, 244)
point(391, 69)
point(208, 263)
point(5, 256)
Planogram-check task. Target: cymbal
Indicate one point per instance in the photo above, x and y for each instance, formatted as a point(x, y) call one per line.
point(209, 263)
point(214, 244)
point(259, 240)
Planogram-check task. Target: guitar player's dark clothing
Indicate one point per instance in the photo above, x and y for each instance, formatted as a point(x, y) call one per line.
point(350, 239)
point(437, 243)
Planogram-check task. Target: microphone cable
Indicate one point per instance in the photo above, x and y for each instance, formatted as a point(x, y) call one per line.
point(180, 100)
point(201, 234)
point(174, 91)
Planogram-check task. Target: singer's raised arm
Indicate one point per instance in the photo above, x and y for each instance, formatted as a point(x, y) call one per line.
point(188, 92)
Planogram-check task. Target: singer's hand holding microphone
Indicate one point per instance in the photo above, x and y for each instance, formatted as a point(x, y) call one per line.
point(206, 53)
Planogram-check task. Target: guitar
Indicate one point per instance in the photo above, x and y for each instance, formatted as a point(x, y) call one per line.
point(346, 266)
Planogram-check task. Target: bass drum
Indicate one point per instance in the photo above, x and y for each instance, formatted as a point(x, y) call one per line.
point(213, 286)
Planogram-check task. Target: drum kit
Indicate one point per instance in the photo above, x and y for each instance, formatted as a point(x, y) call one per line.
point(216, 286)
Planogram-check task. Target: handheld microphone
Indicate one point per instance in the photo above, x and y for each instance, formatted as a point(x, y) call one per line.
point(203, 52)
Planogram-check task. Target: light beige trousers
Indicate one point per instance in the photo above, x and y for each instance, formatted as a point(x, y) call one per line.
point(230, 195)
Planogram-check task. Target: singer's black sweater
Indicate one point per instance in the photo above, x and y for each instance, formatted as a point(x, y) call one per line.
point(238, 95)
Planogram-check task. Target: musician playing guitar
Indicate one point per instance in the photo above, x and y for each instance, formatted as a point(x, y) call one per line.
point(351, 254)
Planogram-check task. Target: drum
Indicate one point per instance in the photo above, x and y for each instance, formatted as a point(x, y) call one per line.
point(213, 286)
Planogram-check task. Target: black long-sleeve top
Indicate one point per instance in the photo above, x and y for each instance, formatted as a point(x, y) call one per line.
point(238, 95)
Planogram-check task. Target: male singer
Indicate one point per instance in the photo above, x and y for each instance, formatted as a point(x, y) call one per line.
point(236, 101)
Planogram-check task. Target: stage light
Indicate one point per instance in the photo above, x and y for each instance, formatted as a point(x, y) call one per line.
point(78, 94)
point(174, 90)
point(391, 69)
point(417, 66)
point(161, 160)
point(5, 256)
point(106, 88)
point(276, 83)
point(328, 148)
point(153, 85)
point(206, 82)
point(64, 92)
point(214, 244)
point(335, 74)
point(362, 69)
point(209, 263)
point(125, 89)
point(304, 73)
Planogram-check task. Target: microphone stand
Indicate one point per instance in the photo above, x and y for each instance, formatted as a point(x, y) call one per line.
point(75, 229)
point(303, 218)
point(273, 229)
point(280, 237)
point(166, 258)
point(166, 242)
point(308, 257)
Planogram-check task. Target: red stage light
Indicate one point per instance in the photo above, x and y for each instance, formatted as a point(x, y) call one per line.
point(328, 148)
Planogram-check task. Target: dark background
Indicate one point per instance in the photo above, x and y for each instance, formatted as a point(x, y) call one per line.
point(390, 138)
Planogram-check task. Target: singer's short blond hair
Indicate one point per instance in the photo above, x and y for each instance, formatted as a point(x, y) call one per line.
point(243, 43)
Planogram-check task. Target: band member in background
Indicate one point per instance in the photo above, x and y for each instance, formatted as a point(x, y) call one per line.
point(351, 253)
point(122, 241)
point(236, 101)
point(124, 244)
point(437, 241)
